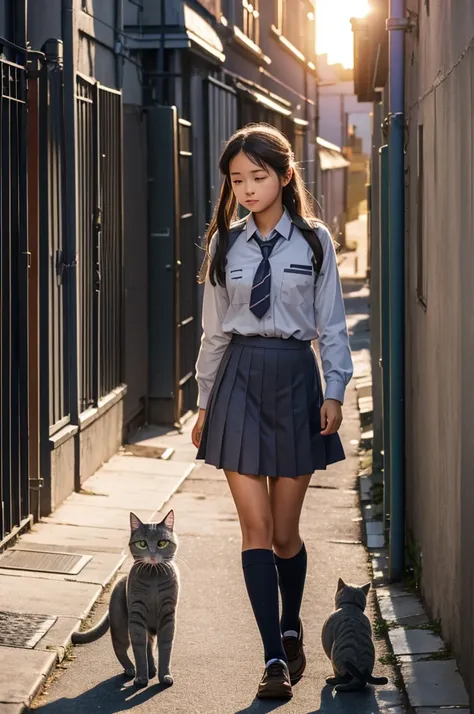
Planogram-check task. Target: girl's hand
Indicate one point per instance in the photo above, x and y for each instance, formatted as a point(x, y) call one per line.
point(197, 429)
point(331, 417)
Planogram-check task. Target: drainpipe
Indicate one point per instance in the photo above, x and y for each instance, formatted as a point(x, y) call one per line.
point(385, 332)
point(396, 26)
point(69, 101)
point(118, 49)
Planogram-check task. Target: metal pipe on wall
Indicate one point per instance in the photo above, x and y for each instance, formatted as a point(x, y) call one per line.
point(119, 59)
point(385, 333)
point(375, 288)
point(396, 26)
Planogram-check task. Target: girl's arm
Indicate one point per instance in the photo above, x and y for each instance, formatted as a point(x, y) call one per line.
point(214, 340)
point(331, 323)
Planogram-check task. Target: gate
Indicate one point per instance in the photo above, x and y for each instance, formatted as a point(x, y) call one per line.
point(185, 238)
point(14, 467)
point(111, 240)
point(100, 240)
point(172, 267)
point(54, 264)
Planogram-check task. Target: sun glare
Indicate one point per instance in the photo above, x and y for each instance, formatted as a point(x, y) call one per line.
point(334, 31)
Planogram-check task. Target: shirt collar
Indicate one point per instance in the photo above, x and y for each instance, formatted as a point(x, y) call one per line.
point(283, 227)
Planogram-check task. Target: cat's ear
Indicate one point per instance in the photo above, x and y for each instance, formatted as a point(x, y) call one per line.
point(340, 584)
point(366, 589)
point(169, 520)
point(135, 522)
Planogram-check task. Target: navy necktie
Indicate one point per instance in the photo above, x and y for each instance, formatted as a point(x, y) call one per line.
point(261, 288)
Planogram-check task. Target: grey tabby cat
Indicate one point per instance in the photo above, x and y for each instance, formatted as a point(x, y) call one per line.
point(143, 605)
point(347, 640)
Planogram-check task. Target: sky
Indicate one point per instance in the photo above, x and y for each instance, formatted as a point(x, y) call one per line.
point(333, 28)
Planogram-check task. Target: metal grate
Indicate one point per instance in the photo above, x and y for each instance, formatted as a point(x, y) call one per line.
point(45, 562)
point(23, 630)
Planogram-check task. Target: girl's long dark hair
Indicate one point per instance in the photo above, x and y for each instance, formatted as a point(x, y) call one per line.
point(266, 147)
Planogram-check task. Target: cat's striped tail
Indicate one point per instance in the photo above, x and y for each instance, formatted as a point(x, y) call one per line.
point(365, 678)
point(84, 638)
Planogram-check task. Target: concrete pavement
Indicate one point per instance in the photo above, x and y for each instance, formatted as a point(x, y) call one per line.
point(217, 659)
point(354, 264)
point(40, 609)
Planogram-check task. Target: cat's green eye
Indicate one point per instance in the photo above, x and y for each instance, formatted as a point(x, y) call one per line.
point(162, 543)
point(142, 544)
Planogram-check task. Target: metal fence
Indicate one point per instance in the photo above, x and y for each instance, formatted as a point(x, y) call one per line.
point(14, 494)
point(111, 243)
point(186, 274)
point(100, 240)
point(54, 263)
point(88, 241)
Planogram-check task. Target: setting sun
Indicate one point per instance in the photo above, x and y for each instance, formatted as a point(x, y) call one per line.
point(334, 31)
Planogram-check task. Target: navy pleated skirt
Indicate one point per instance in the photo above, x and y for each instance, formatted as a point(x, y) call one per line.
point(263, 415)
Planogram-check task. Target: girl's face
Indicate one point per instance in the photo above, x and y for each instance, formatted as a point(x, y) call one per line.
point(255, 188)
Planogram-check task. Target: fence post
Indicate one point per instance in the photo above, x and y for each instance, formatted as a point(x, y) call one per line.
point(69, 40)
point(35, 79)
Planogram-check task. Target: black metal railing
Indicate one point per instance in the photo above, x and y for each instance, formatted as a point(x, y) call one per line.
point(111, 244)
point(186, 235)
point(55, 264)
point(100, 240)
point(88, 277)
point(14, 493)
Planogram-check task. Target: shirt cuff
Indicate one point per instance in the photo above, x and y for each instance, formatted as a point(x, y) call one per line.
point(335, 390)
point(203, 399)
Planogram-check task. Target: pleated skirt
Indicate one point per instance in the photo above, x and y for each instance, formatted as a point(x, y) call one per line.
point(263, 415)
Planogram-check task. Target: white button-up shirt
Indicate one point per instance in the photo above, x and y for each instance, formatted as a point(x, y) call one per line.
point(300, 306)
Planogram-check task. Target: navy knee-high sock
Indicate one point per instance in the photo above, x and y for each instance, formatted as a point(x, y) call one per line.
point(262, 586)
point(292, 576)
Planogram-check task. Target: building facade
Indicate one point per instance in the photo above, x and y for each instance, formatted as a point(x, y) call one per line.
point(204, 70)
point(437, 304)
point(117, 141)
point(61, 245)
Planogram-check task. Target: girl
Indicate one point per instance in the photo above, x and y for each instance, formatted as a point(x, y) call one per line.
point(263, 417)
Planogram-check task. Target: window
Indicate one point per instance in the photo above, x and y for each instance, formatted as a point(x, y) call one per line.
point(251, 20)
point(294, 20)
point(420, 233)
point(244, 18)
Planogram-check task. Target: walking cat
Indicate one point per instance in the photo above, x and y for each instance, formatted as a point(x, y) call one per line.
point(143, 605)
point(347, 640)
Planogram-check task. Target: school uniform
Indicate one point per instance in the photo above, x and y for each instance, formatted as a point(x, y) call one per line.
point(258, 377)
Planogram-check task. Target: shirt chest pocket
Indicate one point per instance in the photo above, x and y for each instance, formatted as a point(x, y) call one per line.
point(239, 285)
point(297, 285)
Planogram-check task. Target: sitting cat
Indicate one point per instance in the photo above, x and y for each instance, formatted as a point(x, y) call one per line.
point(347, 640)
point(143, 605)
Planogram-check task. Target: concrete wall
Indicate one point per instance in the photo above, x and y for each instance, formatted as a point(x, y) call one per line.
point(333, 190)
point(338, 108)
point(2, 18)
point(94, 21)
point(440, 336)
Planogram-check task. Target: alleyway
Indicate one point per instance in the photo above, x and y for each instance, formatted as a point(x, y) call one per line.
point(217, 656)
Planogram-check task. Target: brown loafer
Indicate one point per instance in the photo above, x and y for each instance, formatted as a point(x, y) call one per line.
point(294, 651)
point(275, 682)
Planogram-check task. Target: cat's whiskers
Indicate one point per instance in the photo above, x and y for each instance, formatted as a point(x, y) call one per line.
point(181, 561)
